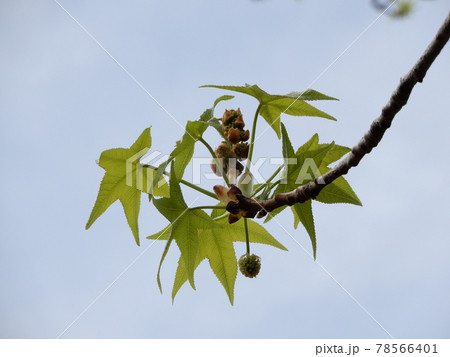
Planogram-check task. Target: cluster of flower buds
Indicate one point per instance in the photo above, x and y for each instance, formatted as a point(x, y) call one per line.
point(233, 126)
point(235, 148)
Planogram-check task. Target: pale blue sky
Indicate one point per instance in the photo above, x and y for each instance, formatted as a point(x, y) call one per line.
point(64, 100)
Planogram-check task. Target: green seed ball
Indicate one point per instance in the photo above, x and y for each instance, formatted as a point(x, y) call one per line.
point(249, 265)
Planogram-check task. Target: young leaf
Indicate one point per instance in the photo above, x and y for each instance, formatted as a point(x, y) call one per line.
point(185, 223)
point(216, 246)
point(222, 98)
point(184, 149)
point(257, 233)
point(288, 153)
point(272, 111)
point(208, 114)
point(335, 153)
point(303, 214)
point(181, 275)
point(339, 191)
point(166, 250)
point(309, 94)
point(158, 177)
point(296, 174)
point(219, 251)
point(311, 144)
point(272, 106)
point(253, 91)
point(121, 182)
point(235, 233)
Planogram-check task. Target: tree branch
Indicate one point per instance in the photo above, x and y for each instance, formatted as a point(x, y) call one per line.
point(370, 140)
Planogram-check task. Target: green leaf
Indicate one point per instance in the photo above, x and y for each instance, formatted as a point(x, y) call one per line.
point(216, 246)
point(156, 188)
point(257, 233)
point(288, 150)
point(311, 144)
point(309, 155)
point(308, 167)
point(163, 234)
point(309, 94)
point(208, 115)
point(335, 153)
point(339, 191)
point(288, 153)
point(272, 111)
point(219, 251)
point(185, 223)
point(184, 149)
point(222, 98)
point(303, 213)
point(181, 275)
point(272, 106)
point(253, 91)
point(166, 250)
point(124, 180)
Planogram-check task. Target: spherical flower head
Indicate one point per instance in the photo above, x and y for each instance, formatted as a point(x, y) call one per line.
point(249, 265)
point(403, 8)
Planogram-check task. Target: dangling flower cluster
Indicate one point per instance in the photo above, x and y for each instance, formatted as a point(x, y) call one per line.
point(250, 265)
point(235, 148)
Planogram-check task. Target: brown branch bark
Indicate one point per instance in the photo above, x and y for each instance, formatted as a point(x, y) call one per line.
point(370, 140)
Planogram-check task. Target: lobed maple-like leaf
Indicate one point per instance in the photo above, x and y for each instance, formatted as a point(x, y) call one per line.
point(125, 180)
point(315, 157)
point(184, 148)
point(273, 105)
point(216, 245)
point(185, 225)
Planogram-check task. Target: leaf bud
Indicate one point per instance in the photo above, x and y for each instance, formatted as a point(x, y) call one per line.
point(246, 184)
point(214, 168)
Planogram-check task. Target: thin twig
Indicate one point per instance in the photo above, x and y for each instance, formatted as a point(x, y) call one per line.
point(369, 141)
